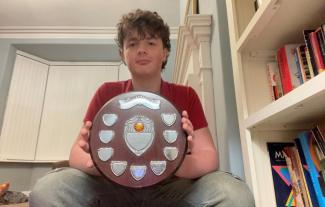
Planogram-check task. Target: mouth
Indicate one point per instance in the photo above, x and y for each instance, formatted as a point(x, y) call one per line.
point(143, 62)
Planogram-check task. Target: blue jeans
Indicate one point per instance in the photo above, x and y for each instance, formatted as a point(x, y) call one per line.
point(73, 188)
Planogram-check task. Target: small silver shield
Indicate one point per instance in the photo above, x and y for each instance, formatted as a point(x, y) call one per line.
point(170, 136)
point(139, 140)
point(105, 153)
point(106, 136)
point(138, 171)
point(118, 167)
point(158, 167)
point(170, 153)
point(168, 119)
point(109, 119)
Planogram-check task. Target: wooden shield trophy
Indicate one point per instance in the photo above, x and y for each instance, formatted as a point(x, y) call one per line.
point(137, 139)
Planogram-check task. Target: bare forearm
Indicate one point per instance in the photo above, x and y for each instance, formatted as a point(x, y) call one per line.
point(197, 165)
point(79, 158)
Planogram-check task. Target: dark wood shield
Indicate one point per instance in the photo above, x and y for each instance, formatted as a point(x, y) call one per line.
point(137, 139)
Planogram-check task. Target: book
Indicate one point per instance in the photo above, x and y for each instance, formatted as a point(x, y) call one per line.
point(280, 174)
point(296, 176)
point(299, 67)
point(274, 80)
point(304, 67)
point(321, 40)
point(310, 66)
point(317, 52)
point(306, 141)
point(310, 50)
point(310, 188)
point(287, 66)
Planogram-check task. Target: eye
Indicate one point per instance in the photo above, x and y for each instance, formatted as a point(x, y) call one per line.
point(131, 44)
point(152, 43)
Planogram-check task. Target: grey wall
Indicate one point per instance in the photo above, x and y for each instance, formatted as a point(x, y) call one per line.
point(226, 114)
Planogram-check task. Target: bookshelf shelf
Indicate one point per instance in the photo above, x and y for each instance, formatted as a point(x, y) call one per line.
point(294, 109)
point(255, 38)
point(279, 22)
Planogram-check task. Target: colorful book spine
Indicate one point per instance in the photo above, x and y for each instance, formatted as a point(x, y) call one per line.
point(303, 62)
point(310, 51)
point(317, 52)
point(305, 139)
point(321, 40)
point(310, 187)
point(288, 68)
point(274, 80)
point(280, 174)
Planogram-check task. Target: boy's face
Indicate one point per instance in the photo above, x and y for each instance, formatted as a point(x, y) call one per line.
point(143, 56)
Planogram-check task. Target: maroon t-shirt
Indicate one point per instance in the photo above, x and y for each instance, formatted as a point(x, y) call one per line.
point(182, 97)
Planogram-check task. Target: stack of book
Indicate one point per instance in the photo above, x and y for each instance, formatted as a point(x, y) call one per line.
point(298, 169)
point(297, 63)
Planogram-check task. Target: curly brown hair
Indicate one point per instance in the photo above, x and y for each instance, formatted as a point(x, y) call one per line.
point(145, 23)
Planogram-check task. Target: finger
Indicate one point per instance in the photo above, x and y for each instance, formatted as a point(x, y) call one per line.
point(188, 129)
point(185, 114)
point(84, 145)
point(189, 144)
point(90, 164)
point(88, 124)
point(187, 121)
point(84, 131)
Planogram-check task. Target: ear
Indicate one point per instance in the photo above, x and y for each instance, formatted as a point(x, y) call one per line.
point(165, 54)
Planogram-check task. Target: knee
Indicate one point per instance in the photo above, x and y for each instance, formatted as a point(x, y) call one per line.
point(53, 186)
point(227, 189)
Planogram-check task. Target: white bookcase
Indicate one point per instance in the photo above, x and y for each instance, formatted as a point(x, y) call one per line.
point(255, 38)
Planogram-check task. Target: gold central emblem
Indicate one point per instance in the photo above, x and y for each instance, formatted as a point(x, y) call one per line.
point(138, 126)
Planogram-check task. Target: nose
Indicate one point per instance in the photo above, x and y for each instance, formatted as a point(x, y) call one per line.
point(142, 49)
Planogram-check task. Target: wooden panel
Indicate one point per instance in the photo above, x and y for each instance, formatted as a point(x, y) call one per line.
point(23, 110)
point(69, 91)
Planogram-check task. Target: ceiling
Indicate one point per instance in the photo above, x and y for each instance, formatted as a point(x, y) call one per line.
point(74, 14)
point(80, 13)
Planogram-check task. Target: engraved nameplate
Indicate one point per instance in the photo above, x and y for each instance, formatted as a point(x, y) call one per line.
point(139, 100)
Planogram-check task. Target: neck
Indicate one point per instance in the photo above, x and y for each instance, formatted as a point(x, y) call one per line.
point(150, 85)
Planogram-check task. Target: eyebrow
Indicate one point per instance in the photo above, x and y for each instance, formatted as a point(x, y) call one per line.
point(147, 37)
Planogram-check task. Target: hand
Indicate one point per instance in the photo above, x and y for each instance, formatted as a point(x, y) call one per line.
point(188, 127)
point(83, 141)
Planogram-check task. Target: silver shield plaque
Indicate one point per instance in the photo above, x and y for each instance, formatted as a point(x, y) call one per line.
point(158, 167)
point(118, 167)
point(105, 153)
point(106, 136)
point(170, 153)
point(139, 134)
point(138, 171)
point(109, 119)
point(168, 119)
point(170, 136)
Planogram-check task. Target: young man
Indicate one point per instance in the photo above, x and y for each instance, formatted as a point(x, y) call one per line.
point(143, 39)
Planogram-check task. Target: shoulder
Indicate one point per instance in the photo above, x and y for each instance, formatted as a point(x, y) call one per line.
point(179, 89)
point(179, 93)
